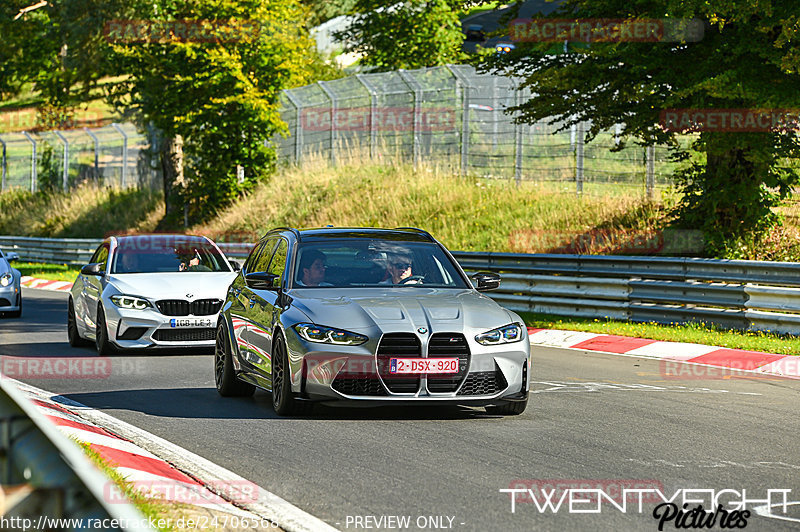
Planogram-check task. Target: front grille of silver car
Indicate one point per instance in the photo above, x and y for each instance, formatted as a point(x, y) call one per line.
point(184, 335)
point(181, 307)
point(448, 345)
point(4, 302)
point(484, 383)
point(394, 345)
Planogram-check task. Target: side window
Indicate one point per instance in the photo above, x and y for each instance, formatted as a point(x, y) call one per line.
point(101, 255)
point(278, 264)
point(262, 262)
point(258, 249)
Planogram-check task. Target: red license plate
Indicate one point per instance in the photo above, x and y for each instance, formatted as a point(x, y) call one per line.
point(399, 366)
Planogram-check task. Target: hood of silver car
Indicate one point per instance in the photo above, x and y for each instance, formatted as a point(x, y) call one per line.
point(173, 285)
point(401, 309)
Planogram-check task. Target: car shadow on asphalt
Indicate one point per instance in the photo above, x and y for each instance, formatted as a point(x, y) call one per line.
point(205, 403)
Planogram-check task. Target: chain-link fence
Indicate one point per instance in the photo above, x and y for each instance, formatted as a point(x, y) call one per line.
point(116, 155)
point(456, 115)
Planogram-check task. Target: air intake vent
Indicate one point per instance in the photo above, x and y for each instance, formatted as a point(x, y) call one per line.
point(361, 385)
point(484, 383)
point(184, 335)
point(448, 345)
point(395, 345)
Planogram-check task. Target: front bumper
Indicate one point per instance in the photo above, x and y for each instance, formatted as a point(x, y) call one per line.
point(491, 375)
point(149, 328)
point(10, 297)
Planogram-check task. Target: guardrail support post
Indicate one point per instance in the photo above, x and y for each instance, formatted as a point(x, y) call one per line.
point(463, 82)
point(517, 140)
point(33, 160)
point(65, 165)
point(3, 166)
point(124, 152)
point(332, 97)
point(96, 152)
point(650, 174)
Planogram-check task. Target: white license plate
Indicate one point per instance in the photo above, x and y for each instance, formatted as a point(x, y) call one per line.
point(423, 365)
point(190, 323)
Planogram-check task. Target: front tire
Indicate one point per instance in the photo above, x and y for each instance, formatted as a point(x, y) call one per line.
point(511, 408)
point(283, 400)
point(104, 347)
point(224, 374)
point(74, 338)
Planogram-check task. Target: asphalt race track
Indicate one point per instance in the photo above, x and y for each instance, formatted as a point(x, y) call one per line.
point(594, 421)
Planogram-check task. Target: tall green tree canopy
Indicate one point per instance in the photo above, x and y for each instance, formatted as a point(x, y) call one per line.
point(412, 34)
point(748, 57)
point(219, 94)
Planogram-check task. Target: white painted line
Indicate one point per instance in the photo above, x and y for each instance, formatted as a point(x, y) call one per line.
point(268, 505)
point(788, 366)
point(673, 350)
point(764, 511)
point(558, 338)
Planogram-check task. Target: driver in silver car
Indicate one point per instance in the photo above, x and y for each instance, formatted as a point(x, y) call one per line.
point(398, 270)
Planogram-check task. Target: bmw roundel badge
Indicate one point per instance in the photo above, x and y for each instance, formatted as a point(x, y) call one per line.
point(422, 330)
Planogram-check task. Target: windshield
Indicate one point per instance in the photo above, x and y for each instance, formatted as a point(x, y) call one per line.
point(169, 257)
point(350, 263)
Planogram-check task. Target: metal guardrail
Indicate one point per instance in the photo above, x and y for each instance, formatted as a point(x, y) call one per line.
point(731, 293)
point(48, 482)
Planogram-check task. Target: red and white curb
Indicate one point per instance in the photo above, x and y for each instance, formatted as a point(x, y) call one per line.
point(165, 470)
point(706, 355)
point(44, 284)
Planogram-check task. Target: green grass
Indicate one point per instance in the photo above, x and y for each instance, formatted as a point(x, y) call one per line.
point(52, 272)
point(692, 333)
point(149, 507)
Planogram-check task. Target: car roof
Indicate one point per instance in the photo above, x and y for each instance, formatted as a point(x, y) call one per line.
point(408, 234)
point(163, 237)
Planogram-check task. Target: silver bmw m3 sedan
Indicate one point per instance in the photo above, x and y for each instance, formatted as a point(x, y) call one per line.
point(381, 316)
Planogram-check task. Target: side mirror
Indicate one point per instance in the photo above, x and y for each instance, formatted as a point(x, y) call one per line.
point(262, 280)
point(484, 281)
point(11, 256)
point(95, 268)
point(236, 265)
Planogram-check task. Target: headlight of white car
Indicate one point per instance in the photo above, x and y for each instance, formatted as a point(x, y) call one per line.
point(6, 279)
point(130, 302)
point(328, 335)
point(502, 335)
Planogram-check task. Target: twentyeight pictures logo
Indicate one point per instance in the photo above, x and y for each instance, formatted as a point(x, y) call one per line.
point(679, 508)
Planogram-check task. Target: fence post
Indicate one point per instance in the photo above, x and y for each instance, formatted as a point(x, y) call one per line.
point(96, 152)
point(373, 111)
point(579, 135)
point(517, 140)
point(298, 126)
point(465, 86)
point(33, 161)
point(417, 91)
point(65, 165)
point(124, 152)
point(332, 97)
point(4, 166)
point(650, 165)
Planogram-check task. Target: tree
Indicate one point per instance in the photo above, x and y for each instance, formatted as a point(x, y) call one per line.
point(211, 83)
point(748, 57)
point(405, 34)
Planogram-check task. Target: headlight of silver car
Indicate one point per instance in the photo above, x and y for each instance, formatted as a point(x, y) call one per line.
point(130, 302)
point(328, 335)
point(6, 279)
point(502, 335)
